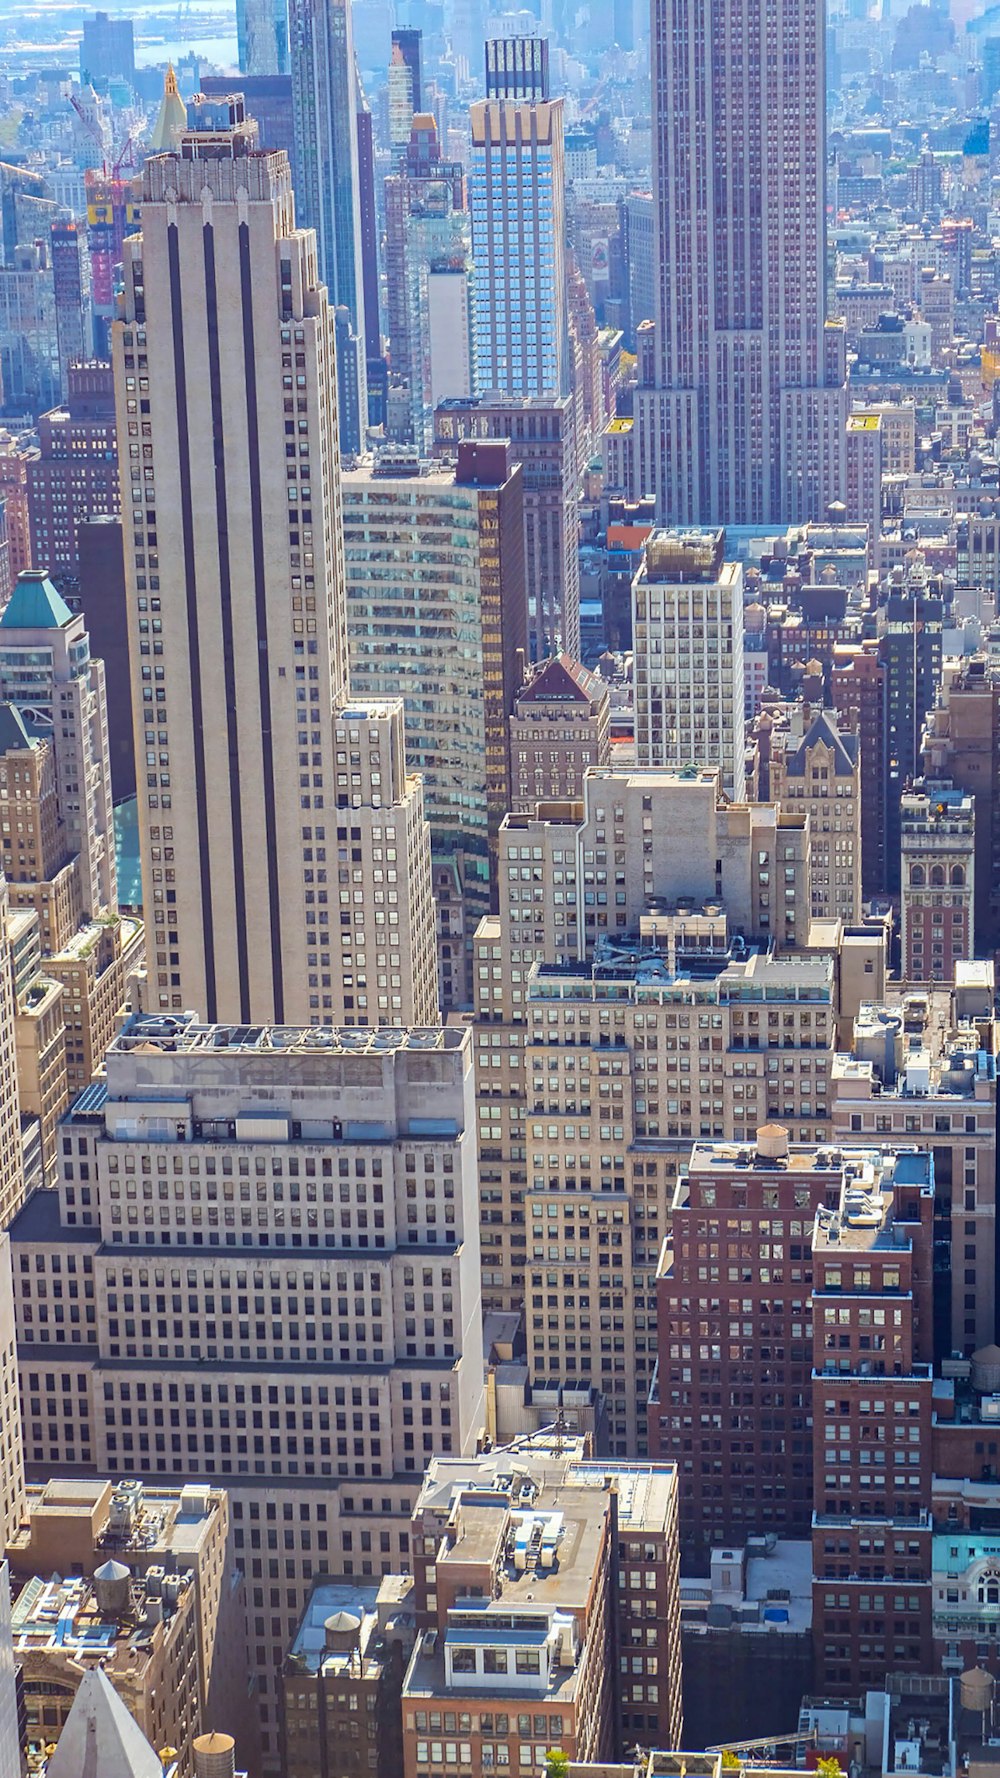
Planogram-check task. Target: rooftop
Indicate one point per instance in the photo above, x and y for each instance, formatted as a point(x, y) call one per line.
point(35, 604)
point(64, 1617)
point(353, 1611)
point(182, 1032)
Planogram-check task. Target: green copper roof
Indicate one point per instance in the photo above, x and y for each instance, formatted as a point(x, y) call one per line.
point(34, 604)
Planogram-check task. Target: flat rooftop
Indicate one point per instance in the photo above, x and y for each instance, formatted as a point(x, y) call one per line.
point(331, 1599)
point(182, 1032)
point(62, 1617)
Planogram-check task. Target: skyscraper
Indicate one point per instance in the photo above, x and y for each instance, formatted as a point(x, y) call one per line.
point(11, 1149)
point(327, 185)
point(254, 767)
point(744, 420)
point(437, 611)
point(687, 630)
point(358, 1216)
point(71, 290)
point(517, 200)
point(428, 281)
point(75, 473)
point(262, 36)
point(47, 673)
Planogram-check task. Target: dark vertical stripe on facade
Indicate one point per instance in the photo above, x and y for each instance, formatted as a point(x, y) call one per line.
point(263, 665)
point(226, 611)
point(191, 602)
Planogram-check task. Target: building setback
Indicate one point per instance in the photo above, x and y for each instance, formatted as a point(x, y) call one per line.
point(687, 636)
point(437, 613)
point(261, 776)
point(542, 434)
point(273, 1234)
point(516, 173)
point(742, 420)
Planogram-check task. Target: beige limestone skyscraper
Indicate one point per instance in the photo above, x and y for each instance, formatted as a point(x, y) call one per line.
point(742, 419)
point(270, 807)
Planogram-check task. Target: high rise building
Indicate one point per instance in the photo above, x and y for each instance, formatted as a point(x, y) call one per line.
point(404, 87)
point(608, 913)
point(268, 100)
point(342, 1679)
point(543, 439)
point(261, 41)
point(98, 1532)
point(237, 620)
point(75, 474)
point(802, 760)
point(937, 879)
point(15, 455)
point(48, 674)
point(863, 470)
point(560, 726)
point(327, 186)
point(922, 1068)
point(909, 624)
point(638, 230)
point(71, 291)
point(687, 636)
point(429, 280)
point(447, 631)
point(573, 1568)
point(11, 1145)
point(960, 743)
point(517, 200)
point(74, 955)
point(107, 49)
point(321, 1219)
point(370, 232)
point(112, 213)
point(872, 1267)
point(408, 42)
point(11, 1453)
point(29, 341)
point(840, 1331)
point(859, 685)
point(743, 419)
point(104, 603)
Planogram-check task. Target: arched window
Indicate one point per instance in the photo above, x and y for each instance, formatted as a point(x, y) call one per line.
point(937, 874)
point(917, 877)
point(988, 1588)
point(958, 874)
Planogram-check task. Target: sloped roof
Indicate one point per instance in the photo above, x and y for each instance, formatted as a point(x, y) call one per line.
point(35, 604)
point(172, 117)
point(564, 680)
point(13, 733)
point(100, 1739)
point(823, 729)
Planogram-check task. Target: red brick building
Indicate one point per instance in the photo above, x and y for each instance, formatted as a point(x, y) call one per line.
point(795, 1320)
point(859, 683)
point(75, 475)
point(937, 880)
point(734, 1392)
point(872, 1447)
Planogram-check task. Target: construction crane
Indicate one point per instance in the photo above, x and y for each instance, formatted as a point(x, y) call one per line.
point(803, 1738)
point(93, 129)
point(126, 158)
point(126, 154)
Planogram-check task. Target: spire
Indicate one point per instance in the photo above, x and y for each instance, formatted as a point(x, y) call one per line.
point(173, 115)
point(100, 1739)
